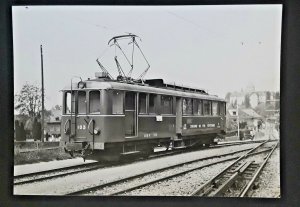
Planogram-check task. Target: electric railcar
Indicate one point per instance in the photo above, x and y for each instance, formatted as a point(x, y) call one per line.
point(107, 119)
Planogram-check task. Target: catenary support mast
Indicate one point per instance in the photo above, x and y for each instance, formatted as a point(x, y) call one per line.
point(43, 108)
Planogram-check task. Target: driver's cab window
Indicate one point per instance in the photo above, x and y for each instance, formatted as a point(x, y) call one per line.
point(94, 102)
point(81, 102)
point(69, 102)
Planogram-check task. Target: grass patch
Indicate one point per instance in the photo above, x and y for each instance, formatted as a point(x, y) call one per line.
point(40, 156)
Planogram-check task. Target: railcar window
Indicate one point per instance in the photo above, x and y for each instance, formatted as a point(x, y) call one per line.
point(117, 107)
point(167, 104)
point(222, 108)
point(152, 103)
point(200, 107)
point(206, 108)
point(129, 101)
point(81, 102)
point(187, 106)
point(197, 107)
point(215, 108)
point(69, 102)
point(94, 102)
point(142, 103)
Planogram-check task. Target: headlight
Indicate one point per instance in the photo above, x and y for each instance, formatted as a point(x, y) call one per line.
point(81, 85)
point(96, 131)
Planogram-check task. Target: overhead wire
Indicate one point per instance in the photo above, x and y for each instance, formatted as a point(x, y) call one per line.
point(116, 44)
point(218, 34)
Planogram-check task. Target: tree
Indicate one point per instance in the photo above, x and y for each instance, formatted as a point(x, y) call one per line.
point(29, 101)
point(57, 107)
point(36, 131)
point(19, 130)
point(242, 125)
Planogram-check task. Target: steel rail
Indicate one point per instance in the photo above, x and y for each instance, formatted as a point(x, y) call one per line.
point(52, 170)
point(86, 168)
point(250, 184)
point(94, 188)
point(179, 151)
point(231, 180)
point(201, 189)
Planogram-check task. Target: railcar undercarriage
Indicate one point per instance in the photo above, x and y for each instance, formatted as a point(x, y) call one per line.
point(123, 150)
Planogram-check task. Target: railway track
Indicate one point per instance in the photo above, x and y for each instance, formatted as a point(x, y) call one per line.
point(224, 144)
point(118, 184)
point(237, 179)
point(54, 173)
point(60, 172)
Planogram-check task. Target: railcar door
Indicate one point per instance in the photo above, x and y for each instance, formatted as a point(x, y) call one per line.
point(75, 108)
point(81, 125)
point(130, 114)
point(70, 111)
point(178, 115)
point(223, 114)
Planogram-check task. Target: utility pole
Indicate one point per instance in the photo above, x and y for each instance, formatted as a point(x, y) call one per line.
point(238, 121)
point(271, 126)
point(43, 108)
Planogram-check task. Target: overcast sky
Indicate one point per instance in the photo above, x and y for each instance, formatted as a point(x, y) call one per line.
point(218, 48)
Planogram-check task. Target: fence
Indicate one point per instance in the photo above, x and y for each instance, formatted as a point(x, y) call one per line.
point(23, 146)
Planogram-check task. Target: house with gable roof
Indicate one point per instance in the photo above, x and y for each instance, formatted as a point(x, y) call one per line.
point(247, 115)
point(53, 124)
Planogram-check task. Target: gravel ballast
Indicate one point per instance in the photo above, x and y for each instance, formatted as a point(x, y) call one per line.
point(182, 185)
point(186, 184)
point(163, 174)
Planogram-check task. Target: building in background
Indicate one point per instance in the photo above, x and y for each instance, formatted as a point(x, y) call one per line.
point(237, 98)
point(253, 119)
point(248, 119)
point(254, 98)
point(53, 129)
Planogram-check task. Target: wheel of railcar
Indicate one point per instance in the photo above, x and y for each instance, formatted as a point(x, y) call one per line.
point(206, 145)
point(145, 155)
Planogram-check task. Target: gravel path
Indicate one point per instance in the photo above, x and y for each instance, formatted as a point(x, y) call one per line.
point(68, 184)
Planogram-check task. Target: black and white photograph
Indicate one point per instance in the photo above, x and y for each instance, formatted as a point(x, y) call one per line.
point(147, 100)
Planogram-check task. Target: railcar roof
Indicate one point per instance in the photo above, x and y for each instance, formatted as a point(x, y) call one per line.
point(96, 85)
